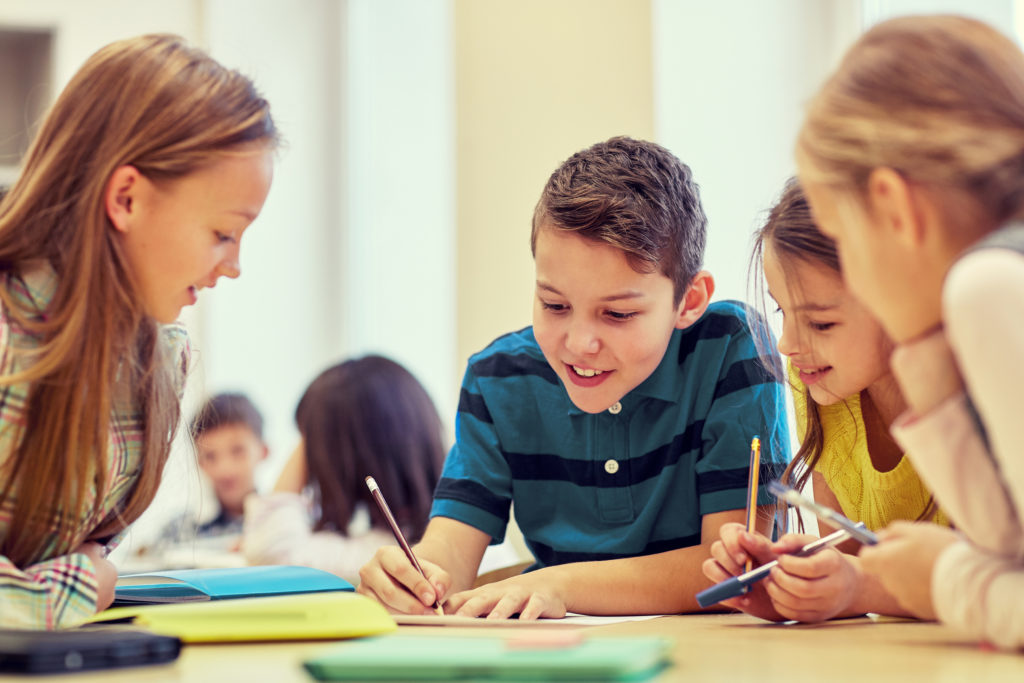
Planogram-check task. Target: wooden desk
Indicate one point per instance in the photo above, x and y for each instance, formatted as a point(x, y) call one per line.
point(707, 648)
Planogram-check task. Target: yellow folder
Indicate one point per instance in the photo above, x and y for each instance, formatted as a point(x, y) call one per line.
point(307, 616)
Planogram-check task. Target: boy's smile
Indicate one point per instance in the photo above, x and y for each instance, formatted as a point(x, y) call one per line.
point(602, 326)
point(586, 377)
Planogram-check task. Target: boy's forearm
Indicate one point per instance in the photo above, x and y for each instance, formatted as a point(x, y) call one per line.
point(665, 583)
point(453, 546)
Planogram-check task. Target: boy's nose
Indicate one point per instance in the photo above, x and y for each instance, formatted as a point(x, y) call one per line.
point(581, 340)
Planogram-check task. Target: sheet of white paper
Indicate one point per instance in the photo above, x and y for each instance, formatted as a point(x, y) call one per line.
point(570, 620)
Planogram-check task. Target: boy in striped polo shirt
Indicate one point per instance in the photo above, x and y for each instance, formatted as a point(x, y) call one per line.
point(618, 425)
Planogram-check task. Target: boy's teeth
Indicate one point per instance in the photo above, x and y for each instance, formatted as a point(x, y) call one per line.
point(586, 372)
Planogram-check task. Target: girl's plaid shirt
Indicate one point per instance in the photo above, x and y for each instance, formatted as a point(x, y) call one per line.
point(60, 591)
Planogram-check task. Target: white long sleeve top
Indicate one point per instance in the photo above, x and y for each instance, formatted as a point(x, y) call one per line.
point(967, 450)
point(278, 530)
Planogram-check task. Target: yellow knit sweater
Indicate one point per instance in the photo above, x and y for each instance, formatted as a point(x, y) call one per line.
point(864, 494)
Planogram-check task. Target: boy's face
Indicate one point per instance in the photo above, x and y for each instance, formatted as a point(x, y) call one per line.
point(602, 326)
point(229, 455)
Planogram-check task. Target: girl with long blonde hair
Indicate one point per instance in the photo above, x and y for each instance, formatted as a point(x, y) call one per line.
point(132, 197)
point(912, 157)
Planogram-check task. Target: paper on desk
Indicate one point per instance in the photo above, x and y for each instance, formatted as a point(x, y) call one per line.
point(569, 620)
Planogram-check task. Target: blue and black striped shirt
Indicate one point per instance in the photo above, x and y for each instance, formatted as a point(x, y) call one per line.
point(604, 486)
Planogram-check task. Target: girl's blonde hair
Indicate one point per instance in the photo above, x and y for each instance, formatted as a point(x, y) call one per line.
point(167, 109)
point(939, 99)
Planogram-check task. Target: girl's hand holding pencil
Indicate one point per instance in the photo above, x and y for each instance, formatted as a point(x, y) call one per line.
point(729, 556)
point(809, 589)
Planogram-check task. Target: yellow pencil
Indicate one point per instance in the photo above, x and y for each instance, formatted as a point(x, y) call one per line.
point(752, 480)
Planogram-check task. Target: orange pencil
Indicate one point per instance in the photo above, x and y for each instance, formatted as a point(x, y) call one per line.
point(752, 481)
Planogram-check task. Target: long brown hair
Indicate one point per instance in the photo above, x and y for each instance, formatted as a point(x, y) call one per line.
point(793, 235)
point(940, 99)
point(370, 417)
point(167, 109)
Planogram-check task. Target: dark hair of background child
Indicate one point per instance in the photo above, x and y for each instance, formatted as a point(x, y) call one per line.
point(226, 409)
point(370, 417)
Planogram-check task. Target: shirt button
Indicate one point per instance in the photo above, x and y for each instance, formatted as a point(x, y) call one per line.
point(615, 410)
point(611, 466)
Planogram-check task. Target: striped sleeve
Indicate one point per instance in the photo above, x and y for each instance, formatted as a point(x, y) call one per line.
point(57, 593)
point(475, 486)
point(748, 401)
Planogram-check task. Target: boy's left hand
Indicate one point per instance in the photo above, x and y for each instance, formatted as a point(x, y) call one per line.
point(904, 559)
point(529, 595)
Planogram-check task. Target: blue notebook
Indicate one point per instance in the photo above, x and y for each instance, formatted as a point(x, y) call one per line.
point(189, 585)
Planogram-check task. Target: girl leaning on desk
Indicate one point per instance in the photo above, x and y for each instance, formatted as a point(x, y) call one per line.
point(134, 195)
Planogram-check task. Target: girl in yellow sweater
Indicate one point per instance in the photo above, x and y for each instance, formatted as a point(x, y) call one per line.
point(845, 398)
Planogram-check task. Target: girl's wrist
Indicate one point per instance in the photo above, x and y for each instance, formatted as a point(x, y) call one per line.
point(859, 595)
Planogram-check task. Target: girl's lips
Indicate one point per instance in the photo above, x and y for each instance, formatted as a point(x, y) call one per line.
point(581, 381)
point(193, 296)
point(814, 376)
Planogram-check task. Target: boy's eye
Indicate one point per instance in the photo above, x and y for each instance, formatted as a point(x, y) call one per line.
point(223, 237)
point(619, 315)
point(557, 308)
point(821, 327)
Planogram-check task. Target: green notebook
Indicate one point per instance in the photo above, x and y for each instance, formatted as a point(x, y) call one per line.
point(444, 658)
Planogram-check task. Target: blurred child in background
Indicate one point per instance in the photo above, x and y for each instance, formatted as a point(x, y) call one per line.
point(228, 435)
point(366, 416)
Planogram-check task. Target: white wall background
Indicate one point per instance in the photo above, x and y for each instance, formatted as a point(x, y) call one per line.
point(730, 81)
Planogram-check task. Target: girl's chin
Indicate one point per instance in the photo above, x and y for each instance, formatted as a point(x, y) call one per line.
point(823, 397)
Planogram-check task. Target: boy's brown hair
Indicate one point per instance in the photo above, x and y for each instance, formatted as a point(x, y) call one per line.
point(636, 196)
point(226, 409)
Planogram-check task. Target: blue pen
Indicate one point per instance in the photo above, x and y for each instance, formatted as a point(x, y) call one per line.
point(738, 585)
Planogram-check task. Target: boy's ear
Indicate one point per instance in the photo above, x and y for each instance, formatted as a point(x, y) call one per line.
point(120, 197)
point(696, 299)
point(894, 207)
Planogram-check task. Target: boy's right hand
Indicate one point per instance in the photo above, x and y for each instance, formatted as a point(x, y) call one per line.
point(729, 555)
point(391, 579)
